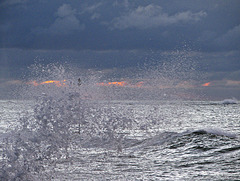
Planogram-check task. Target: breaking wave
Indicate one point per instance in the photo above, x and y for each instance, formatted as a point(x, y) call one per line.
point(62, 118)
point(229, 101)
point(67, 117)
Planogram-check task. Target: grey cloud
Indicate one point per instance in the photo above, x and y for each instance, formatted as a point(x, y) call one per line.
point(152, 16)
point(92, 7)
point(65, 23)
point(92, 10)
point(124, 3)
point(98, 25)
point(65, 10)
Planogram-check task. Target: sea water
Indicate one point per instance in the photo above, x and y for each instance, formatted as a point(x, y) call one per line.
point(66, 131)
point(119, 140)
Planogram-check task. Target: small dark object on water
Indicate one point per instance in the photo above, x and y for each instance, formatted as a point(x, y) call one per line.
point(79, 82)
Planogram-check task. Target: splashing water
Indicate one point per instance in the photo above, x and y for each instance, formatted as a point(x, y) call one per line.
point(85, 119)
point(60, 115)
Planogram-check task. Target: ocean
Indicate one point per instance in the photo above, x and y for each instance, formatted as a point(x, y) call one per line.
point(66, 138)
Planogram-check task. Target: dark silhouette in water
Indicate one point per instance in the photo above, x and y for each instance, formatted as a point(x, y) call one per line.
point(79, 82)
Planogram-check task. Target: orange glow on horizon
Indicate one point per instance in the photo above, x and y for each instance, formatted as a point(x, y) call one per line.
point(139, 84)
point(121, 84)
point(206, 84)
point(55, 82)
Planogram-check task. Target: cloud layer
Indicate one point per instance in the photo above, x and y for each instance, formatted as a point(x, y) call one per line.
point(211, 26)
point(152, 16)
point(121, 35)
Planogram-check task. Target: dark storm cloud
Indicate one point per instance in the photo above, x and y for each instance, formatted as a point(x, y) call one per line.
point(98, 25)
point(120, 35)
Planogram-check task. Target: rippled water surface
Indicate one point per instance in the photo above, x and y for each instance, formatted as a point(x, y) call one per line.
point(164, 140)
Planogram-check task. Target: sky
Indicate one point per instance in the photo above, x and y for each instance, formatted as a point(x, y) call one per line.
point(119, 35)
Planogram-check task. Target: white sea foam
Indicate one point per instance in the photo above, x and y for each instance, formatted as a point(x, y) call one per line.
point(229, 101)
